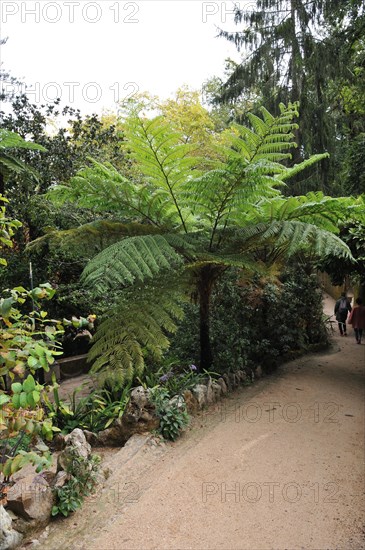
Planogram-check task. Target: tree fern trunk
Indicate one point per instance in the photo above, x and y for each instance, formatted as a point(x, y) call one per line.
point(206, 279)
point(205, 291)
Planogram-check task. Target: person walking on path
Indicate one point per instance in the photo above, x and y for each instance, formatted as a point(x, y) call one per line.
point(342, 309)
point(357, 319)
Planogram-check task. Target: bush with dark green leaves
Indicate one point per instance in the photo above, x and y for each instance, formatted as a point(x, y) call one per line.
point(258, 323)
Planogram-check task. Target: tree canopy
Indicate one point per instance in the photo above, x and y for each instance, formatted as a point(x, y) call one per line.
point(199, 221)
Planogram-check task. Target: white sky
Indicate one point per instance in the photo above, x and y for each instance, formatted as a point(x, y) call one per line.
point(94, 53)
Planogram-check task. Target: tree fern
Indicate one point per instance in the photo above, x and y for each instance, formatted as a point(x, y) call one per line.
point(199, 223)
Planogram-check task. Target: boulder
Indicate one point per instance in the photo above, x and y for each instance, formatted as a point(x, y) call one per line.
point(139, 397)
point(178, 402)
point(9, 538)
point(200, 393)
point(138, 420)
point(58, 442)
point(60, 479)
point(233, 380)
point(31, 498)
point(191, 402)
point(223, 385)
point(258, 372)
point(77, 440)
point(91, 438)
point(210, 393)
point(217, 390)
point(135, 420)
point(76, 444)
point(227, 381)
point(243, 375)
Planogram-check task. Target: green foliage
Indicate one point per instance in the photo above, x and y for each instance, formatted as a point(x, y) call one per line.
point(353, 233)
point(134, 259)
point(28, 342)
point(135, 328)
point(208, 222)
point(82, 478)
point(9, 163)
point(284, 60)
point(95, 412)
point(174, 378)
point(171, 412)
point(256, 322)
point(7, 229)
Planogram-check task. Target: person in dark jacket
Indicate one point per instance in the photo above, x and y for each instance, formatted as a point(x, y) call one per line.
point(342, 309)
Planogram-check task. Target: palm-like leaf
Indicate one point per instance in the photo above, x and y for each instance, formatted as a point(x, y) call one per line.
point(137, 326)
point(9, 162)
point(89, 239)
point(165, 161)
point(132, 260)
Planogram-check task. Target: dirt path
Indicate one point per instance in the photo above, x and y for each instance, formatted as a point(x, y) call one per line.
point(279, 465)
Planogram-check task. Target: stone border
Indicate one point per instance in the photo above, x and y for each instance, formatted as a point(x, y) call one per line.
point(30, 500)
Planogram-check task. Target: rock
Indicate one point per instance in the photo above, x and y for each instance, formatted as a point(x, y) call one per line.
point(210, 393)
point(239, 376)
point(58, 442)
point(217, 390)
point(200, 393)
point(243, 375)
point(76, 444)
point(77, 440)
point(60, 479)
point(134, 421)
point(233, 380)
point(112, 437)
point(223, 386)
point(227, 381)
point(258, 372)
point(31, 498)
point(139, 397)
point(48, 476)
point(191, 402)
point(91, 438)
point(9, 538)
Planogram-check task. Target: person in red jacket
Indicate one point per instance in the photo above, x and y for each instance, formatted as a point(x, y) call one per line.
point(357, 319)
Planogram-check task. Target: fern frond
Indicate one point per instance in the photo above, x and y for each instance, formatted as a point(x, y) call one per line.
point(11, 140)
point(129, 261)
point(297, 168)
point(135, 328)
point(89, 239)
point(287, 237)
point(314, 208)
point(163, 159)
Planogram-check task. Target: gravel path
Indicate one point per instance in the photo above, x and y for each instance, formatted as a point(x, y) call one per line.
point(279, 465)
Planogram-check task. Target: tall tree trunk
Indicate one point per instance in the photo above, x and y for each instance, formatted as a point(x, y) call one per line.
point(205, 287)
point(296, 70)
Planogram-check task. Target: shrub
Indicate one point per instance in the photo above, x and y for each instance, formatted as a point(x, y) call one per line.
point(95, 412)
point(171, 412)
point(81, 481)
point(260, 322)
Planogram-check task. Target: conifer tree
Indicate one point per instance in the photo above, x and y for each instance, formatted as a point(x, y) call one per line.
point(292, 51)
